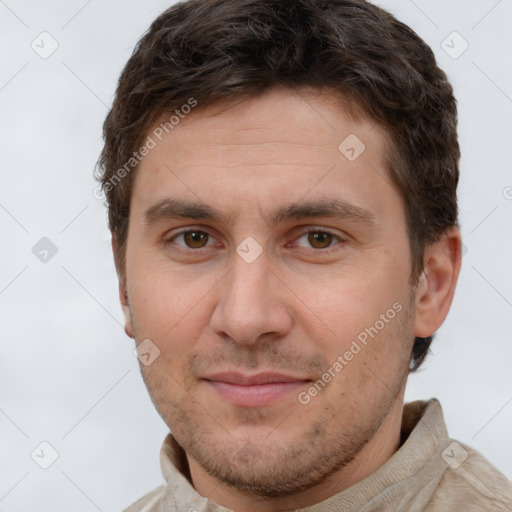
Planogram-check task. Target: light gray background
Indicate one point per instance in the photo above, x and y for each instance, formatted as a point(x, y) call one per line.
point(67, 372)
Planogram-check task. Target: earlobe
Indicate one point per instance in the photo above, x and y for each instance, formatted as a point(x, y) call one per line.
point(436, 286)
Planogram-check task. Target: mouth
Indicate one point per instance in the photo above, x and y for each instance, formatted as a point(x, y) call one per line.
point(259, 390)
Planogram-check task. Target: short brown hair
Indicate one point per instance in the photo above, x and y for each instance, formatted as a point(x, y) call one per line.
point(222, 50)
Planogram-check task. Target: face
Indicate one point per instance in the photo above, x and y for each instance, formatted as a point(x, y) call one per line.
point(271, 266)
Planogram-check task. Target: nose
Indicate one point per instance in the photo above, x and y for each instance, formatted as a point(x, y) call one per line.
point(252, 304)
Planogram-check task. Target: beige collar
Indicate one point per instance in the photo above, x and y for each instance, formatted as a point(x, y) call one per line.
point(417, 464)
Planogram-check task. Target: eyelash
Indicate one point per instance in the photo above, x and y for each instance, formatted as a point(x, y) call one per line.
point(184, 232)
point(336, 238)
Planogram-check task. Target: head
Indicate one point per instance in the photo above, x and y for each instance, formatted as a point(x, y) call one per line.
point(281, 187)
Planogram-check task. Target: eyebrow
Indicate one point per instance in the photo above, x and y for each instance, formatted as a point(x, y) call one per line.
point(172, 208)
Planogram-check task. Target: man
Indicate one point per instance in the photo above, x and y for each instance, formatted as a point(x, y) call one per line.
point(281, 182)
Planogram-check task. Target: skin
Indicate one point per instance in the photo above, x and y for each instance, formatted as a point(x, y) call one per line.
point(294, 309)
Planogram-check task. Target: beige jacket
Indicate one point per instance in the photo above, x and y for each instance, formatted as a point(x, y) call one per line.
point(429, 473)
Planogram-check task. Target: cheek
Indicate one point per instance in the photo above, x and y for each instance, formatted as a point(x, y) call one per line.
point(169, 310)
point(345, 303)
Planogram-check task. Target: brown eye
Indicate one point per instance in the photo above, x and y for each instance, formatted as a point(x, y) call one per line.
point(320, 239)
point(195, 239)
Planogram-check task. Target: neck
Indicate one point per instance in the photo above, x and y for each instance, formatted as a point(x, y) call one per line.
point(375, 453)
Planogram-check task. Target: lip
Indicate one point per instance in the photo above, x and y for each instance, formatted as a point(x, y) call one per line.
point(257, 390)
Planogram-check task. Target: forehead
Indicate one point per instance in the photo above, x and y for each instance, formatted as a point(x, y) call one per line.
point(312, 117)
point(280, 144)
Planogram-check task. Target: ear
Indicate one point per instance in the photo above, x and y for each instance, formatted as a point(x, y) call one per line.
point(123, 296)
point(123, 290)
point(436, 286)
